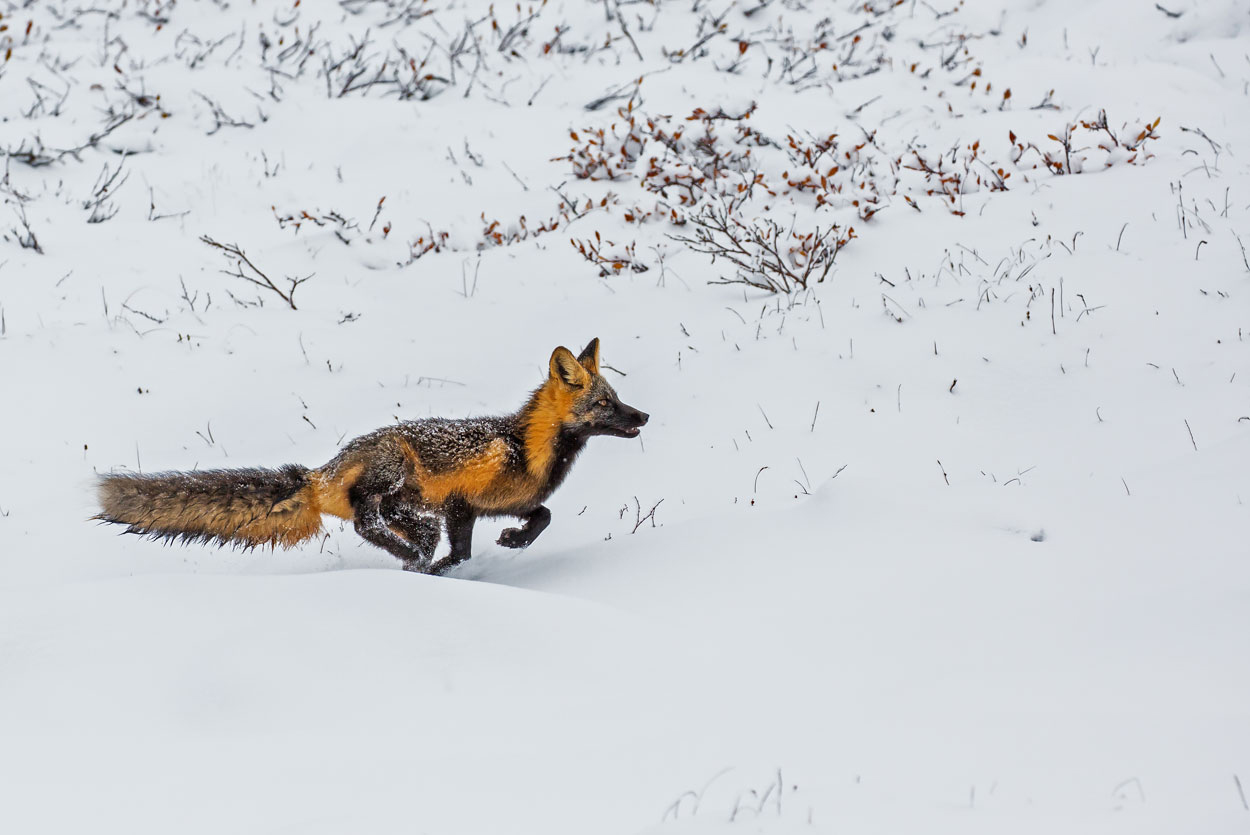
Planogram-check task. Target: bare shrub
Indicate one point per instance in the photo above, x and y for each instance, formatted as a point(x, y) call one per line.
point(249, 272)
point(765, 254)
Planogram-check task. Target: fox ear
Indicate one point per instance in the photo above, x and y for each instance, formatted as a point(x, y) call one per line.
point(566, 368)
point(589, 357)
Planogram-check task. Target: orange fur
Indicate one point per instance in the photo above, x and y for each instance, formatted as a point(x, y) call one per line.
point(472, 480)
point(329, 490)
point(508, 491)
point(286, 527)
point(549, 408)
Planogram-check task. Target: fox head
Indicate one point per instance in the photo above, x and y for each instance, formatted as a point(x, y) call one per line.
point(590, 405)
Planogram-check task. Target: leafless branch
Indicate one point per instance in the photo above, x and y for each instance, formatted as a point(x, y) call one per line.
point(249, 272)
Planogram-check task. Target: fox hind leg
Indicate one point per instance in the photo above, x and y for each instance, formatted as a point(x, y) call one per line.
point(383, 483)
point(419, 527)
point(460, 519)
point(375, 530)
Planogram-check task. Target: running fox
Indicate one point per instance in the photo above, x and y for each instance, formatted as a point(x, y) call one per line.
point(395, 484)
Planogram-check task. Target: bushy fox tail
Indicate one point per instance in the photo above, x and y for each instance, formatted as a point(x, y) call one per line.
point(247, 507)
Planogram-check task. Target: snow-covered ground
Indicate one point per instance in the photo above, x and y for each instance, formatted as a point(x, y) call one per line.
point(955, 540)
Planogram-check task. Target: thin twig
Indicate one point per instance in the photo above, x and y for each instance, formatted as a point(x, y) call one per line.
point(260, 279)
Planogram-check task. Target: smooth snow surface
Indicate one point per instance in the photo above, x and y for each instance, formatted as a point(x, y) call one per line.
point(955, 541)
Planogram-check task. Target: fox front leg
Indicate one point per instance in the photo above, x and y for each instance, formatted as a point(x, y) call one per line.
point(535, 523)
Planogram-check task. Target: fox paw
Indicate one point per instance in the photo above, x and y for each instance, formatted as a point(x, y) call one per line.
point(439, 567)
point(515, 538)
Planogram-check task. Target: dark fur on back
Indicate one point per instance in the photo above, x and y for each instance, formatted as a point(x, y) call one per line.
point(247, 507)
point(446, 443)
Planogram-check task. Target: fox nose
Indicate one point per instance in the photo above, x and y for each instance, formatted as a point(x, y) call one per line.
point(634, 416)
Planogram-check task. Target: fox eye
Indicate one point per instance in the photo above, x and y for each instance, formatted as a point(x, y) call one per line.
point(603, 402)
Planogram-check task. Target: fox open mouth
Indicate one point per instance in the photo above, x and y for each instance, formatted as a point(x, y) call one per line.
point(631, 432)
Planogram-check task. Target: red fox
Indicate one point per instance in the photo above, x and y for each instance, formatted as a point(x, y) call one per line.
point(395, 484)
